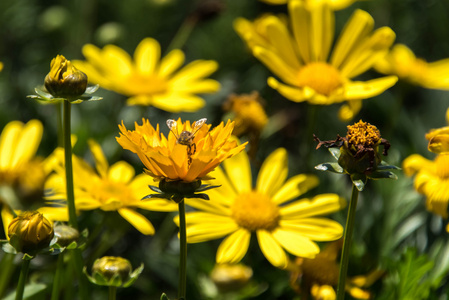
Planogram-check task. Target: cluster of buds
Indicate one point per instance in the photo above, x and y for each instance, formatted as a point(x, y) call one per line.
point(358, 154)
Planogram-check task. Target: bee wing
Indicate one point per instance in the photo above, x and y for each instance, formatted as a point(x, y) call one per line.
point(197, 125)
point(173, 125)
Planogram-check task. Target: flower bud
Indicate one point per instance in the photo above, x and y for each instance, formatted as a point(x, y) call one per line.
point(64, 80)
point(228, 277)
point(30, 232)
point(112, 266)
point(66, 235)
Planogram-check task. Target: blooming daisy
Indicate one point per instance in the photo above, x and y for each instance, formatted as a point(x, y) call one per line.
point(167, 158)
point(150, 80)
point(300, 58)
point(236, 210)
point(401, 61)
point(109, 188)
point(334, 4)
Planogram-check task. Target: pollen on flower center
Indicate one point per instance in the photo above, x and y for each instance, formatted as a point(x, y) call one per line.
point(363, 133)
point(255, 211)
point(321, 77)
point(442, 166)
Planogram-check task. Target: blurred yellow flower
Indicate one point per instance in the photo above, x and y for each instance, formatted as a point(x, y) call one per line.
point(401, 61)
point(22, 174)
point(249, 115)
point(300, 58)
point(109, 188)
point(1, 66)
point(167, 158)
point(334, 4)
point(150, 80)
point(237, 210)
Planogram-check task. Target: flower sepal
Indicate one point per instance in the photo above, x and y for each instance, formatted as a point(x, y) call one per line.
point(178, 190)
point(44, 96)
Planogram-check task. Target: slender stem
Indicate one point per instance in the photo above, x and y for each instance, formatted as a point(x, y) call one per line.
point(183, 251)
point(22, 279)
point(78, 262)
point(60, 125)
point(68, 166)
point(112, 292)
point(347, 244)
point(183, 33)
point(58, 277)
point(6, 267)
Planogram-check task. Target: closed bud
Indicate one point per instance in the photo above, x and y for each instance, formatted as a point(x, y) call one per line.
point(111, 267)
point(66, 235)
point(64, 80)
point(229, 277)
point(30, 232)
point(179, 188)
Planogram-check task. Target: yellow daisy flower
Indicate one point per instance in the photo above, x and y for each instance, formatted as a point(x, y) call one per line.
point(334, 4)
point(300, 58)
point(237, 210)
point(168, 158)
point(1, 66)
point(109, 188)
point(150, 80)
point(401, 61)
point(22, 174)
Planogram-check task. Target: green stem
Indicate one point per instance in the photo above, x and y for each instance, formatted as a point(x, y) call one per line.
point(6, 267)
point(182, 34)
point(58, 277)
point(78, 261)
point(22, 279)
point(112, 292)
point(68, 166)
point(60, 125)
point(183, 251)
point(347, 244)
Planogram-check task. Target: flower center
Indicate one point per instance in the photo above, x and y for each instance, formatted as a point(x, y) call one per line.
point(442, 166)
point(321, 77)
point(255, 211)
point(363, 133)
point(112, 195)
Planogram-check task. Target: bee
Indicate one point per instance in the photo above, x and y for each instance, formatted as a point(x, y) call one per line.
point(186, 137)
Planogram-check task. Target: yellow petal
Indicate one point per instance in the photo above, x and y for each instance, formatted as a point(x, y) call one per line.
point(276, 65)
point(322, 29)
point(358, 90)
point(137, 220)
point(273, 172)
point(7, 217)
point(212, 205)
point(203, 227)
point(271, 249)
point(177, 102)
point(439, 144)
point(295, 243)
point(55, 213)
point(205, 86)
point(121, 171)
point(292, 93)
point(300, 21)
point(147, 55)
point(414, 163)
point(295, 187)
point(116, 61)
point(100, 160)
point(234, 247)
point(358, 28)
point(348, 111)
point(317, 229)
point(170, 63)
point(319, 205)
point(239, 172)
point(194, 70)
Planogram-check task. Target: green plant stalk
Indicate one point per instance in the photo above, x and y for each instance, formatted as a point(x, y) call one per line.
point(182, 34)
point(112, 293)
point(68, 166)
point(7, 267)
point(182, 251)
point(347, 244)
point(22, 279)
point(58, 277)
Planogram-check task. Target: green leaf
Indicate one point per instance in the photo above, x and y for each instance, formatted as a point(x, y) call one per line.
point(359, 180)
point(164, 297)
point(92, 89)
point(385, 166)
point(335, 152)
point(30, 290)
point(382, 175)
point(331, 167)
point(408, 277)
